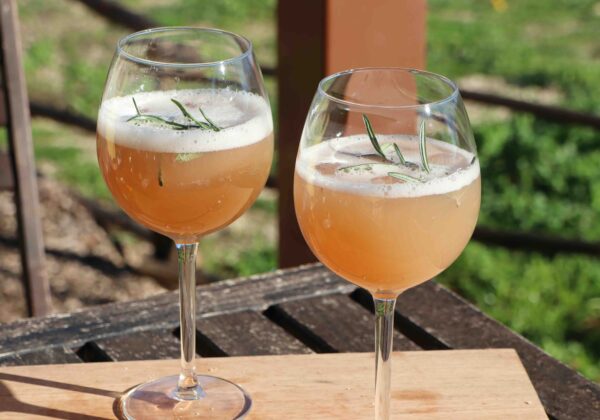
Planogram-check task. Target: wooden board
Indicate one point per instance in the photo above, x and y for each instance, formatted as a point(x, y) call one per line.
point(460, 384)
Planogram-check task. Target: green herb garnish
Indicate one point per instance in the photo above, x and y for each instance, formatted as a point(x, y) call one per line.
point(404, 177)
point(372, 137)
point(423, 148)
point(399, 154)
point(194, 124)
point(186, 157)
point(381, 155)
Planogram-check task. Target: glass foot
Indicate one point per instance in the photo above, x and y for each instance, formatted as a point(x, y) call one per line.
point(156, 399)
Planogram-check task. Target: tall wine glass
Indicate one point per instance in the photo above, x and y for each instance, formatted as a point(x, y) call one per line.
point(387, 187)
point(185, 143)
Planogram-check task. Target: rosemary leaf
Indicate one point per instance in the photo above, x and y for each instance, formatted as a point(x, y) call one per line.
point(404, 177)
point(423, 148)
point(212, 125)
point(399, 154)
point(189, 116)
point(372, 137)
point(136, 107)
point(160, 120)
point(367, 166)
point(186, 157)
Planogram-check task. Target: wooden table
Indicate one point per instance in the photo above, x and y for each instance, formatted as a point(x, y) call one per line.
point(297, 311)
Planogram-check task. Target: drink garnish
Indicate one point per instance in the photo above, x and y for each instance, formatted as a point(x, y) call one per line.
point(404, 177)
point(194, 124)
point(373, 139)
point(386, 161)
point(423, 148)
point(208, 125)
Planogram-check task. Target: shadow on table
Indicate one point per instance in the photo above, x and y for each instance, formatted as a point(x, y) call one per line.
point(11, 404)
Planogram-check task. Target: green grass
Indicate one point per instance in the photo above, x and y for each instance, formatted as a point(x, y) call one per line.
point(537, 176)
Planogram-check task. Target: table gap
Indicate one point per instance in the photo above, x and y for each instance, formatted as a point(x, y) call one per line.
point(299, 331)
point(205, 347)
point(90, 353)
point(402, 324)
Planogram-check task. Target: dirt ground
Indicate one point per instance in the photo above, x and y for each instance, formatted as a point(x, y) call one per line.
point(83, 265)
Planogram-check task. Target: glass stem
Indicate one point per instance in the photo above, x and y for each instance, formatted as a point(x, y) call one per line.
point(187, 388)
point(384, 329)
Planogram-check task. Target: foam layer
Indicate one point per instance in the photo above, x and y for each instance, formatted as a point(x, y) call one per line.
point(244, 118)
point(332, 164)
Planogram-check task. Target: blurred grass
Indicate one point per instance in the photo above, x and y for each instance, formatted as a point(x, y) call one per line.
point(538, 176)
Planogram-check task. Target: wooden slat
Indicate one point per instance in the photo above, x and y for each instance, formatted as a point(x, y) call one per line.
point(3, 113)
point(246, 333)
point(251, 293)
point(56, 355)
point(334, 323)
point(7, 181)
point(24, 174)
point(467, 384)
point(432, 310)
point(301, 58)
point(143, 345)
point(453, 321)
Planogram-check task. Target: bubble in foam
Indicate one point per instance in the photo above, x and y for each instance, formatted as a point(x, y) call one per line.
point(244, 119)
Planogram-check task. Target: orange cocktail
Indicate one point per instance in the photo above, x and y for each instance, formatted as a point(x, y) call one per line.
point(186, 183)
point(379, 232)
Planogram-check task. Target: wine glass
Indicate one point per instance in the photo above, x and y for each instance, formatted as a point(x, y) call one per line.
point(185, 144)
point(387, 187)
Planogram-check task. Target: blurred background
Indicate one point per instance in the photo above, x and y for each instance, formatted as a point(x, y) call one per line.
point(539, 176)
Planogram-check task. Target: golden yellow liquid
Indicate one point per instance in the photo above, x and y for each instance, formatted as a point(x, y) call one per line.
point(385, 244)
point(185, 196)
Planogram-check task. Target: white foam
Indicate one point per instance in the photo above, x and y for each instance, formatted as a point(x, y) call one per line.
point(244, 118)
point(452, 168)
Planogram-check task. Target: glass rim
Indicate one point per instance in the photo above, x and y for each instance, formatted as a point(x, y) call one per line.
point(453, 94)
point(132, 57)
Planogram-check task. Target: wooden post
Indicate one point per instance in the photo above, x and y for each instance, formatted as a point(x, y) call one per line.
point(23, 164)
point(320, 37)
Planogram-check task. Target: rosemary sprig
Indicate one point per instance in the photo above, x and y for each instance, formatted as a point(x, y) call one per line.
point(423, 148)
point(181, 157)
point(404, 177)
point(212, 125)
point(399, 154)
point(372, 137)
point(148, 117)
point(381, 155)
point(209, 125)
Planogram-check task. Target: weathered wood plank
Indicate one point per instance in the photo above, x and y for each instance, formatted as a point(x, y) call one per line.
point(333, 324)
point(450, 319)
point(251, 293)
point(245, 333)
point(55, 355)
point(464, 384)
point(7, 181)
point(432, 310)
point(21, 149)
point(143, 345)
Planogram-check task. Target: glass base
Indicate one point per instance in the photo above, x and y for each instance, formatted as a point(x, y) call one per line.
point(157, 399)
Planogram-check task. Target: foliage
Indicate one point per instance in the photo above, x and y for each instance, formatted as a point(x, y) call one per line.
point(538, 176)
